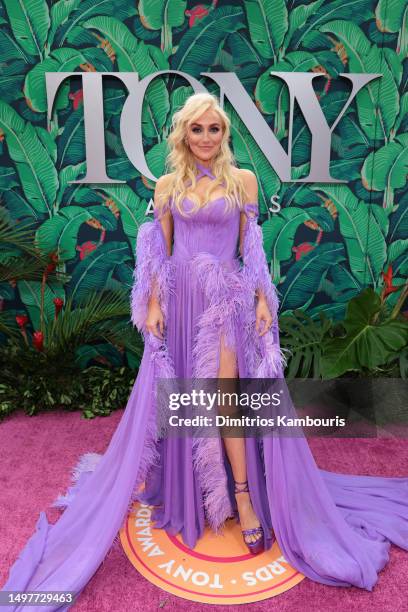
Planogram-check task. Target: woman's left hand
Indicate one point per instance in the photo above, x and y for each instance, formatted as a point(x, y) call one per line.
point(263, 314)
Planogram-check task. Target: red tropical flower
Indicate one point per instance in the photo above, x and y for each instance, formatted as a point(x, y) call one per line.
point(198, 12)
point(302, 249)
point(86, 248)
point(58, 302)
point(22, 320)
point(38, 340)
point(388, 286)
point(76, 98)
point(50, 268)
point(53, 263)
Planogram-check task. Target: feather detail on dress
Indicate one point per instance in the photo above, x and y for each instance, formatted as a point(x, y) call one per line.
point(85, 466)
point(153, 268)
point(230, 293)
point(223, 289)
point(255, 269)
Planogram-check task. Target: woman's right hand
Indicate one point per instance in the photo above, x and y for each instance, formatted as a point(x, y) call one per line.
point(155, 320)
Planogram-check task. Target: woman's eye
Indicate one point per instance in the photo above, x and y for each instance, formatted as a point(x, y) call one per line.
point(213, 129)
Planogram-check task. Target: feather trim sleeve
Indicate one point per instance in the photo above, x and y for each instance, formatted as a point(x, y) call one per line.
point(151, 273)
point(255, 266)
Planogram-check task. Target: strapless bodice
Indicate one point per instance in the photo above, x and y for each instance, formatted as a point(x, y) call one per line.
point(211, 229)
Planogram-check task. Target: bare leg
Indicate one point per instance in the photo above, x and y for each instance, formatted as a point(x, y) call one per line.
point(235, 447)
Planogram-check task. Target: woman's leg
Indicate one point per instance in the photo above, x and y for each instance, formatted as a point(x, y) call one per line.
point(235, 447)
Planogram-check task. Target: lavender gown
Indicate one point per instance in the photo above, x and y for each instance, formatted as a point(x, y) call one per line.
point(334, 528)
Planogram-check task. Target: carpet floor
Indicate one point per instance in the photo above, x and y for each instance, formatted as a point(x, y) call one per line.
point(36, 458)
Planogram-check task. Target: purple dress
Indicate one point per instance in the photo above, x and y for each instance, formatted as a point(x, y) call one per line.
point(334, 528)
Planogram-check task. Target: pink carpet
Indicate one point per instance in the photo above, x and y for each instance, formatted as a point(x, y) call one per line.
point(36, 457)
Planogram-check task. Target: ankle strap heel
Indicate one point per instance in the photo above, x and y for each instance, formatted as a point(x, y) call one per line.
point(257, 546)
point(244, 487)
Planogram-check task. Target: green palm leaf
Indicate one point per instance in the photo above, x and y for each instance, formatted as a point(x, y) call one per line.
point(304, 276)
point(136, 56)
point(71, 30)
point(386, 169)
point(30, 21)
point(248, 154)
point(268, 24)
point(156, 158)
point(347, 286)
point(60, 232)
point(303, 338)
point(335, 9)
point(403, 113)
point(395, 251)
point(60, 60)
point(132, 208)
point(10, 50)
point(94, 272)
point(271, 93)
point(34, 165)
point(298, 17)
point(8, 178)
point(122, 40)
point(279, 234)
point(199, 46)
point(389, 15)
point(363, 236)
point(155, 14)
point(132, 55)
point(399, 222)
point(30, 295)
point(100, 352)
point(60, 12)
point(379, 98)
point(19, 257)
point(87, 322)
point(244, 54)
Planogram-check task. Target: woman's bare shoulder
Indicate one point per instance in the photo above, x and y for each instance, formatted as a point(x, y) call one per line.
point(245, 174)
point(163, 181)
point(250, 183)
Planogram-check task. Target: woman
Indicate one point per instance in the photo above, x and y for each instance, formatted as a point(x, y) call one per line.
point(205, 314)
point(196, 144)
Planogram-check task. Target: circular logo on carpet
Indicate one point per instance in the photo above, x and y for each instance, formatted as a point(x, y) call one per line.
point(219, 570)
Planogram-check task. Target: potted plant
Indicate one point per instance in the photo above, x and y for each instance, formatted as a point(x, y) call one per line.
point(359, 356)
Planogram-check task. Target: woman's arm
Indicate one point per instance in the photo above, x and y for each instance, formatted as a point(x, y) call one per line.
point(153, 269)
point(253, 256)
point(251, 188)
point(166, 218)
point(166, 222)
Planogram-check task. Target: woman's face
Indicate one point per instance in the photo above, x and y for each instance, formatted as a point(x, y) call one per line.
point(204, 136)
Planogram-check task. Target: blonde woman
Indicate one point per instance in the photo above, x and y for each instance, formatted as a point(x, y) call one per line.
point(207, 308)
point(207, 215)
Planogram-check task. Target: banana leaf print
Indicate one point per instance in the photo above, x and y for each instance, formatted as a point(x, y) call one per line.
point(324, 243)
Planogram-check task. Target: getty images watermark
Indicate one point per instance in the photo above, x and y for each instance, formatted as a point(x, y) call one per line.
point(232, 408)
point(259, 407)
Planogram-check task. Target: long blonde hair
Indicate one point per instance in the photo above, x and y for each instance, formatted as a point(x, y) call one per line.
point(181, 165)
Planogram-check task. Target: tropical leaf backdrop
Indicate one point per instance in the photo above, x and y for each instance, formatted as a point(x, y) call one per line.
point(324, 243)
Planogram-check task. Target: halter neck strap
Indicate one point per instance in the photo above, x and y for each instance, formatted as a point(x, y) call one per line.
point(202, 170)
